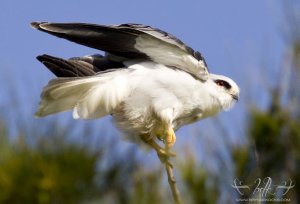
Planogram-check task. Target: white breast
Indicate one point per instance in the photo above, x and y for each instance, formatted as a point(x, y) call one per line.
point(166, 94)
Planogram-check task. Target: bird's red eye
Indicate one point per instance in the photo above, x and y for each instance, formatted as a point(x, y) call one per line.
point(220, 83)
point(223, 83)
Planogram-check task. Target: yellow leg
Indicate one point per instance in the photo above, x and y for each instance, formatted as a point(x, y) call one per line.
point(170, 139)
point(161, 152)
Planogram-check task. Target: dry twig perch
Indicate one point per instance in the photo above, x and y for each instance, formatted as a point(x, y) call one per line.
point(172, 182)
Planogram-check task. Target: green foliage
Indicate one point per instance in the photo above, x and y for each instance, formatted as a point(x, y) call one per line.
point(63, 174)
point(196, 180)
point(242, 160)
point(275, 134)
point(267, 130)
point(41, 168)
point(147, 188)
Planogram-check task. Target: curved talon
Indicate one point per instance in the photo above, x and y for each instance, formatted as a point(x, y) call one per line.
point(169, 164)
point(164, 156)
point(165, 160)
point(163, 153)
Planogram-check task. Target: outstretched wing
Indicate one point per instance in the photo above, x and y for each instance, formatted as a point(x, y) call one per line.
point(78, 66)
point(131, 41)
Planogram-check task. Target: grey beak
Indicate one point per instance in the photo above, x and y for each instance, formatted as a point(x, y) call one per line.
point(235, 97)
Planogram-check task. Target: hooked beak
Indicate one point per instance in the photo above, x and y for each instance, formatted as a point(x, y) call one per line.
point(235, 97)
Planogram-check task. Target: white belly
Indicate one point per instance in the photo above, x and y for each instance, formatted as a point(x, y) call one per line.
point(164, 95)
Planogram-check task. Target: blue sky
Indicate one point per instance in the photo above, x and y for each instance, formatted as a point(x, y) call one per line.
point(234, 36)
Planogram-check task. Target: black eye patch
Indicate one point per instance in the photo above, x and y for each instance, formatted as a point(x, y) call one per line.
point(223, 83)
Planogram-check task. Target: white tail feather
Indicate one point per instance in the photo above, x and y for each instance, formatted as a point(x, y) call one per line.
point(89, 97)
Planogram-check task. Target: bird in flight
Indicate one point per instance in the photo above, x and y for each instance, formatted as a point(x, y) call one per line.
point(148, 80)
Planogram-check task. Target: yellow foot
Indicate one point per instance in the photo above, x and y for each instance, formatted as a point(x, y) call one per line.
point(170, 139)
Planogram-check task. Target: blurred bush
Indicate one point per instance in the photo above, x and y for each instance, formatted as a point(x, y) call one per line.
point(55, 170)
point(57, 173)
point(275, 135)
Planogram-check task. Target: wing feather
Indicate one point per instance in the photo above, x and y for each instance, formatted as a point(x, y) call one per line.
point(78, 66)
point(132, 41)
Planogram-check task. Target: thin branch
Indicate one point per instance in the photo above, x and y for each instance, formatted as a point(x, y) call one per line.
point(173, 183)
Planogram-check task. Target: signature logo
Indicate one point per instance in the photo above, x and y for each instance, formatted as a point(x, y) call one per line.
point(263, 187)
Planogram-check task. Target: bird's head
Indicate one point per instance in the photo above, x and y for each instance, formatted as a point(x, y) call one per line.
point(224, 90)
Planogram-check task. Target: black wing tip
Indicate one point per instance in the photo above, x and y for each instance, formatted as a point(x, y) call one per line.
point(43, 57)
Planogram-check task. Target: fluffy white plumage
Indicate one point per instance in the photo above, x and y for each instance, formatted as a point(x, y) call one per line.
point(162, 84)
point(140, 98)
